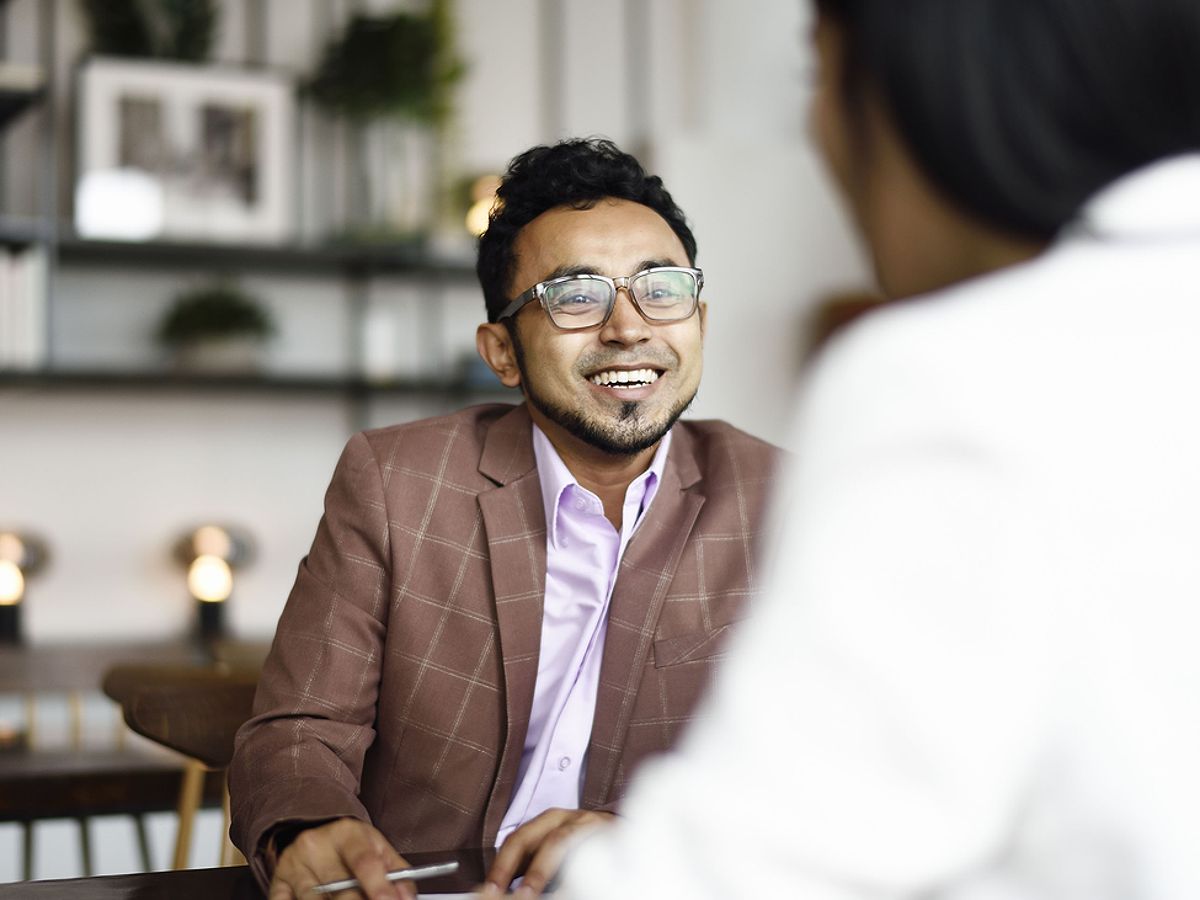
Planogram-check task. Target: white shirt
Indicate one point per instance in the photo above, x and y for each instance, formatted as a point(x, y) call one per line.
point(976, 675)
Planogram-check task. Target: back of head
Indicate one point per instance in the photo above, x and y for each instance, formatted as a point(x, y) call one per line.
point(1019, 110)
point(575, 173)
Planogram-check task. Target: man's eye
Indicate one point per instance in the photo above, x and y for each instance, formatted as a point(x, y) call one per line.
point(577, 303)
point(661, 293)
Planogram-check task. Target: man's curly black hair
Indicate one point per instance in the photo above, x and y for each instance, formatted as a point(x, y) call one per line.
point(575, 173)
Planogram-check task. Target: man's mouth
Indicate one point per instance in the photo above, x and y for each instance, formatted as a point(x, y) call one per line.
point(625, 378)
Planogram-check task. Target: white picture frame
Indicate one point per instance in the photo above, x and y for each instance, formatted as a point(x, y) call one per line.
point(172, 151)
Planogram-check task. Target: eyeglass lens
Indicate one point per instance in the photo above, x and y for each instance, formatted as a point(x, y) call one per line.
point(663, 296)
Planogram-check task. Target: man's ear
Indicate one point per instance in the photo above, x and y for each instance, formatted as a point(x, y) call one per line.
point(495, 347)
point(703, 318)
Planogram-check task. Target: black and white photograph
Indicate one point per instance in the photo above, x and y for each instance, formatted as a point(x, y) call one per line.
point(205, 147)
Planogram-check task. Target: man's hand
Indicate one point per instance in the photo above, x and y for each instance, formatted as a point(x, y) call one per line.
point(343, 848)
point(536, 850)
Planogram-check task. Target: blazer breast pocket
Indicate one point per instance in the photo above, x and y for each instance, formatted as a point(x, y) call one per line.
point(696, 646)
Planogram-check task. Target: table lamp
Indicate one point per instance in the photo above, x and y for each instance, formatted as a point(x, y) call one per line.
point(210, 553)
point(21, 555)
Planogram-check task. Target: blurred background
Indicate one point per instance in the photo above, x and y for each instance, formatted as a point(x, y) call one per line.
point(232, 232)
point(249, 162)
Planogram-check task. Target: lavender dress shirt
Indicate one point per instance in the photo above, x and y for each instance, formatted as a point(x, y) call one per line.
point(583, 551)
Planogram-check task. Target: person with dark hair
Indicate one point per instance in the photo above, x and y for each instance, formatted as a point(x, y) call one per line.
point(506, 609)
point(574, 174)
point(973, 670)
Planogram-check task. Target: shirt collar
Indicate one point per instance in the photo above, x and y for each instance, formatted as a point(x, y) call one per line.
point(556, 478)
point(1154, 201)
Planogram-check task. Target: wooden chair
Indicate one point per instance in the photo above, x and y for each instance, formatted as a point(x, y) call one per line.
point(195, 711)
point(88, 770)
point(79, 783)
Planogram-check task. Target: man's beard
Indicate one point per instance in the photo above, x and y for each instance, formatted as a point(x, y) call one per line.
point(629, 434)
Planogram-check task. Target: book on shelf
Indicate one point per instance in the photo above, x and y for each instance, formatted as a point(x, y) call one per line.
point(23, 322)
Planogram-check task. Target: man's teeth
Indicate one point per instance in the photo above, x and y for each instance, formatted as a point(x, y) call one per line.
point(636, 378)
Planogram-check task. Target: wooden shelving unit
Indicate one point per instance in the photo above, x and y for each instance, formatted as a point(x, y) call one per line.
point(21, 231)
point(167, 381)
point(21, 87)
point(348, 269)
point(335, 259)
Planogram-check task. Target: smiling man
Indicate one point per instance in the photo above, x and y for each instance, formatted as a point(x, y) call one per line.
point(506, 609)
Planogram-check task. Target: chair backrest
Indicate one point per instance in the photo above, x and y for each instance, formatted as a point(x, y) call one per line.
point(194, 710)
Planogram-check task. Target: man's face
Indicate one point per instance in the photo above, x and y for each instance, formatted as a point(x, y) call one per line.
point(559, 370)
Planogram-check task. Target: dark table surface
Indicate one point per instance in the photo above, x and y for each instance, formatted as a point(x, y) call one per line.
point(40, 781)
point(81, 667)
point(230, 883)
point(233, 882)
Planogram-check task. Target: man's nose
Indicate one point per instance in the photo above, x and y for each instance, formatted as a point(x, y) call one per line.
point(625, 325)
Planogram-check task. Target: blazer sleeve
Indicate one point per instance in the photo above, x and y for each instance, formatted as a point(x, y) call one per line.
point(300, 757)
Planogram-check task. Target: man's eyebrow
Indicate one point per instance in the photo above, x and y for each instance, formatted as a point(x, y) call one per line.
point(570, 270)
point(655, 263)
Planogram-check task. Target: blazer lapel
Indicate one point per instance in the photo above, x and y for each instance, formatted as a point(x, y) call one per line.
point(514, 522)
point(645, 575)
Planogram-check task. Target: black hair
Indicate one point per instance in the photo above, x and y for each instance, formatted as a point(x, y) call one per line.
point(1019, 110)
point(575, 173)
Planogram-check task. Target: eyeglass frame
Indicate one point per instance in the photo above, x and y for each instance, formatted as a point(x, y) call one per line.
point(538, 292)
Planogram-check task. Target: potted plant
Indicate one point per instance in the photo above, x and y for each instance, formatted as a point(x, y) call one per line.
point(180, 30)
point(216, 328)
point(391, 77)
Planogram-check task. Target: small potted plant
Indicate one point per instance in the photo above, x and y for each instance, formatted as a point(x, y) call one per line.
point(216, 328)
point(180, 30)
point(392, 77)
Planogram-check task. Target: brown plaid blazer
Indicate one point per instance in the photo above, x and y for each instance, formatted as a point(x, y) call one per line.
point(400, 682)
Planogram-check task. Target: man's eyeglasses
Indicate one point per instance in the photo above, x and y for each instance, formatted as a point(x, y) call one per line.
point(661, 294)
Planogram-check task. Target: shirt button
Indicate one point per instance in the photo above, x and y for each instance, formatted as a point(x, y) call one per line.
point(564, 763)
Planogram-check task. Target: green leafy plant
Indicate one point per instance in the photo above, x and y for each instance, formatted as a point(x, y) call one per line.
point(214, 311)
point(152, 29)
point(402, 65)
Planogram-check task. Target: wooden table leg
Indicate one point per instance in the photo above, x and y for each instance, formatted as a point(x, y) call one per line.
point(189, 801)
point(85, 845)
point(139, 825)
point(27, 851)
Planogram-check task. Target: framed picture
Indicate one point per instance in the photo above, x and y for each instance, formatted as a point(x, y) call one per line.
point(183, 152)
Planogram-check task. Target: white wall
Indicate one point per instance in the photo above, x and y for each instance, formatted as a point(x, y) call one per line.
point(712, 96)
point(771, 244)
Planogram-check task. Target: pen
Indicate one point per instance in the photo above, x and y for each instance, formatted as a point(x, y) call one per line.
point(414, 874)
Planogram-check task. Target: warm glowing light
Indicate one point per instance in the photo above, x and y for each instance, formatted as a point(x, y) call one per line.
point(483, 196)
point(477, 216)
point(212, 540)
point(12, 548)
point(12, 583)
point(484, 187)
point(210, 579)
